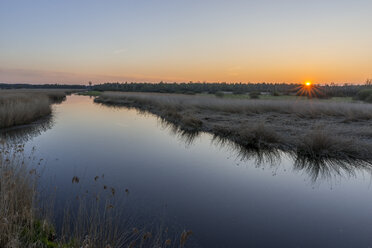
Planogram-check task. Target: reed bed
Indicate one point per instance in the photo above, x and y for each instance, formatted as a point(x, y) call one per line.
point(17, 195)
point(308, 128)
point(18, 107)
point(301, 108)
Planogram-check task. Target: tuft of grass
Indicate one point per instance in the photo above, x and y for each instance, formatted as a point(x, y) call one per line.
point(322, 145)
point(191, 123)
point(250, 137)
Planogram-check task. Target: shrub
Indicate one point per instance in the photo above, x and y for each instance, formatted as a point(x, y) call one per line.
point(275, 93)
point(254, 94)
point(368, 99)
point(363, 95)
point(219, 94)
point(238, 92)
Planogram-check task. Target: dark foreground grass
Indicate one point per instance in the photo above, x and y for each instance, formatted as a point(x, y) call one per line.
point(19, 107)
point(313, 130)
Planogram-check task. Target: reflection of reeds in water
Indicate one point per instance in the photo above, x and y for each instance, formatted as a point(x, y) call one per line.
point(257, 145)
point(23, 133)
point(187, 116)
point(323, 155)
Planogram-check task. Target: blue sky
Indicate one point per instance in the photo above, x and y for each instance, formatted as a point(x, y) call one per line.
point(235, 41)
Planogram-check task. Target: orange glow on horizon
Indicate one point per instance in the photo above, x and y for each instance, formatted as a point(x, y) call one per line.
point(308, 89)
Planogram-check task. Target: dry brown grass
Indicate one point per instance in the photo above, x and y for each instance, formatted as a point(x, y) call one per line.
point(303, 109)
point(18, 107)
point(17, 193)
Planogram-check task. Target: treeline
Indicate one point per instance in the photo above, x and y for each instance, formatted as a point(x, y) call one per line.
point(331, 90)
point(41, 86)
point(192, 87)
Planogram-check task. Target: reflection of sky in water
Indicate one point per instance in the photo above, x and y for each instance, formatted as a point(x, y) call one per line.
point(202, 187)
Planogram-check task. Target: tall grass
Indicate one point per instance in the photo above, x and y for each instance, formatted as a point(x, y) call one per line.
point(303, 109)
point(17, 196)
point(18, 107)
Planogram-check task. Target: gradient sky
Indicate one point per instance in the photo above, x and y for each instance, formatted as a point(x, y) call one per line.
point(75, 41)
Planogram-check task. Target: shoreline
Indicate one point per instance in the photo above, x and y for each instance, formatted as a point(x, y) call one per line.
point(258, 131)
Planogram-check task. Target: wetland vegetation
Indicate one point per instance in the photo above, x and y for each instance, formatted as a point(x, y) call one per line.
point(23, 106)
point(313, 129)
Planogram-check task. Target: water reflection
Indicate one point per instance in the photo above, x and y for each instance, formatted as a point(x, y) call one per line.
point(23, 133)
point(329, 168)
point(317, 168)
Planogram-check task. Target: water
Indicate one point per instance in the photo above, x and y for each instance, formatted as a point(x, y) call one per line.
point(200, 186)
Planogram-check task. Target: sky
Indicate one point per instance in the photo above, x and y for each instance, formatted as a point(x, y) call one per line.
point(77, 41)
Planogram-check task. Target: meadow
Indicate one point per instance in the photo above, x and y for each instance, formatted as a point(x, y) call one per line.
point(310, 128)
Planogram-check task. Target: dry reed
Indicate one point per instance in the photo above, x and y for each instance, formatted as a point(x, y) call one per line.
point(18, 107)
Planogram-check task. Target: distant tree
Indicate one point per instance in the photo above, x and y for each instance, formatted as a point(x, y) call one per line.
point(369, 82)
point(90, 83)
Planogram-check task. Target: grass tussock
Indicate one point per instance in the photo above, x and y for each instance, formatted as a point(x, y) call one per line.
point(322, 145)
point(250, 137)
point(18, 107)
point(322, 154)
point(191, 123)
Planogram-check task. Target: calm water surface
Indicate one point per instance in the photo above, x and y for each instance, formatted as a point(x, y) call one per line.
point(201, 186)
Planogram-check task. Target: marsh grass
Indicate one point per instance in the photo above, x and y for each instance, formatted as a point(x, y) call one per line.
point(90, 93)
point(193, 114)
point(18, 107)
point(303, 109)
point(19, 224)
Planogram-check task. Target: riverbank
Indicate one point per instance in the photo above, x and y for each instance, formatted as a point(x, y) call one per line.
point(309, 129)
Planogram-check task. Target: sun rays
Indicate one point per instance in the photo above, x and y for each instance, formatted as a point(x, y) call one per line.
point(308, 89)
